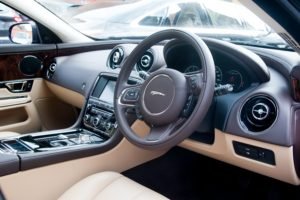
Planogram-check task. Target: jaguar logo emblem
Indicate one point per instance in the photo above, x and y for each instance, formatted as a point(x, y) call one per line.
point(153, 93)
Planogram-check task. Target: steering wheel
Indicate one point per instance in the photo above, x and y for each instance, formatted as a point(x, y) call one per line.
point(173, 104)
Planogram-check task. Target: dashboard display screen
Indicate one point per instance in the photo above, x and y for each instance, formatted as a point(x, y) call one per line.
point(108, 92)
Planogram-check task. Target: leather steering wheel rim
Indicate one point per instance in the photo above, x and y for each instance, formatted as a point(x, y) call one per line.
point(165, 132)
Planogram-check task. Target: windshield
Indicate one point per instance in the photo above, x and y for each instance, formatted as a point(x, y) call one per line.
point(131, 19)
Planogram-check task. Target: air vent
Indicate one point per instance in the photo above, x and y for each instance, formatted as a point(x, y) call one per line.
point(116, 57)
point(51, 70)
point(258, 113)
point(146, 62)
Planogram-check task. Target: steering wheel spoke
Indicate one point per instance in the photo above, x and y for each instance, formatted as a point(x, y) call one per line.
point(129, 95)
point(128, 99)
point(162, 132)
point(195, 82)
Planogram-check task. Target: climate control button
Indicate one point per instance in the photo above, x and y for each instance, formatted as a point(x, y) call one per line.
point(96, 121)
point(86, 117)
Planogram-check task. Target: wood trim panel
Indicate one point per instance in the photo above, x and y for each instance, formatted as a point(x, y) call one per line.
point(9, 64)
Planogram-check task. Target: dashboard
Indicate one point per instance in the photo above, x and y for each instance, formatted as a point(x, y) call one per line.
point(258, 115)
point(228, 71)
point(244, 71)
point(184, 59)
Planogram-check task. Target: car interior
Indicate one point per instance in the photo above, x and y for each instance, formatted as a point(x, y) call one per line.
point(169, 116)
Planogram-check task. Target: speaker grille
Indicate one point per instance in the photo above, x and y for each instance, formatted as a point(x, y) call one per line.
point(30, 65)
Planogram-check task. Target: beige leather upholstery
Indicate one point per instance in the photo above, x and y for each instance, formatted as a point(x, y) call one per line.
point(6, 134)
point(109, 186)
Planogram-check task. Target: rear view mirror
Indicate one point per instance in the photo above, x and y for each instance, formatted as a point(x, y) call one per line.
point(21, 33)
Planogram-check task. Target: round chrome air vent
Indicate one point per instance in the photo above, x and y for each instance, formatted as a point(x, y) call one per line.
point(146, 62)
point(51, 69)
point(258, 113)
point(116, 57)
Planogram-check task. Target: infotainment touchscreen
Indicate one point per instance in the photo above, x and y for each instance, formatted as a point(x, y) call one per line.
point(107, 94)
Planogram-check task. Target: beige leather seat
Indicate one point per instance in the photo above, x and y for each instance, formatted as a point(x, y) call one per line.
point(109, 186)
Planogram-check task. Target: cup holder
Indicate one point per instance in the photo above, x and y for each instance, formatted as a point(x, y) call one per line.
point(51, 141)
point(65, 140)
point(61, 143)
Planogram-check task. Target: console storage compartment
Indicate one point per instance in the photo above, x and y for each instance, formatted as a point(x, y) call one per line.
point(40, 149)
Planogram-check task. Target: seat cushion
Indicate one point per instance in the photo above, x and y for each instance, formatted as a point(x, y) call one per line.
point(109, 185)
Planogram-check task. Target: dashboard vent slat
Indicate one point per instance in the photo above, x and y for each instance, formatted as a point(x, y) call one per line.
point(116, 57)
point(258, 113)
point(146, 61)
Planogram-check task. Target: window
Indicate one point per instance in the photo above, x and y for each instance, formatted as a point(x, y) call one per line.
point(180, 15)
point(155, 19)
point(225, 15)
point(223, 20)
point(9, 17)
point(189, 15)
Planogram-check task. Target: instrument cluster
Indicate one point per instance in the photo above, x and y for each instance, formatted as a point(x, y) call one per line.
point(225, 75)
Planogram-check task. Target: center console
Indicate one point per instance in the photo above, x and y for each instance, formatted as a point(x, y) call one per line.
point(94, 132)
point(97, 125)
point(99, 114)
point(50, 141)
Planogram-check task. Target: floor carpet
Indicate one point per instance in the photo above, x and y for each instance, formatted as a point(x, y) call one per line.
point(182, 174)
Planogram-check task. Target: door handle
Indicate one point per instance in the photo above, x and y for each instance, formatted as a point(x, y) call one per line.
point(16, 86)
point(19, 86)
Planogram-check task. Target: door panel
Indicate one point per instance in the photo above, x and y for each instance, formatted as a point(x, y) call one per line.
point(6, 101)
point(17, 112)
point(26, 103)
point(21, 118)
point(13, 116)
point(34, 111)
